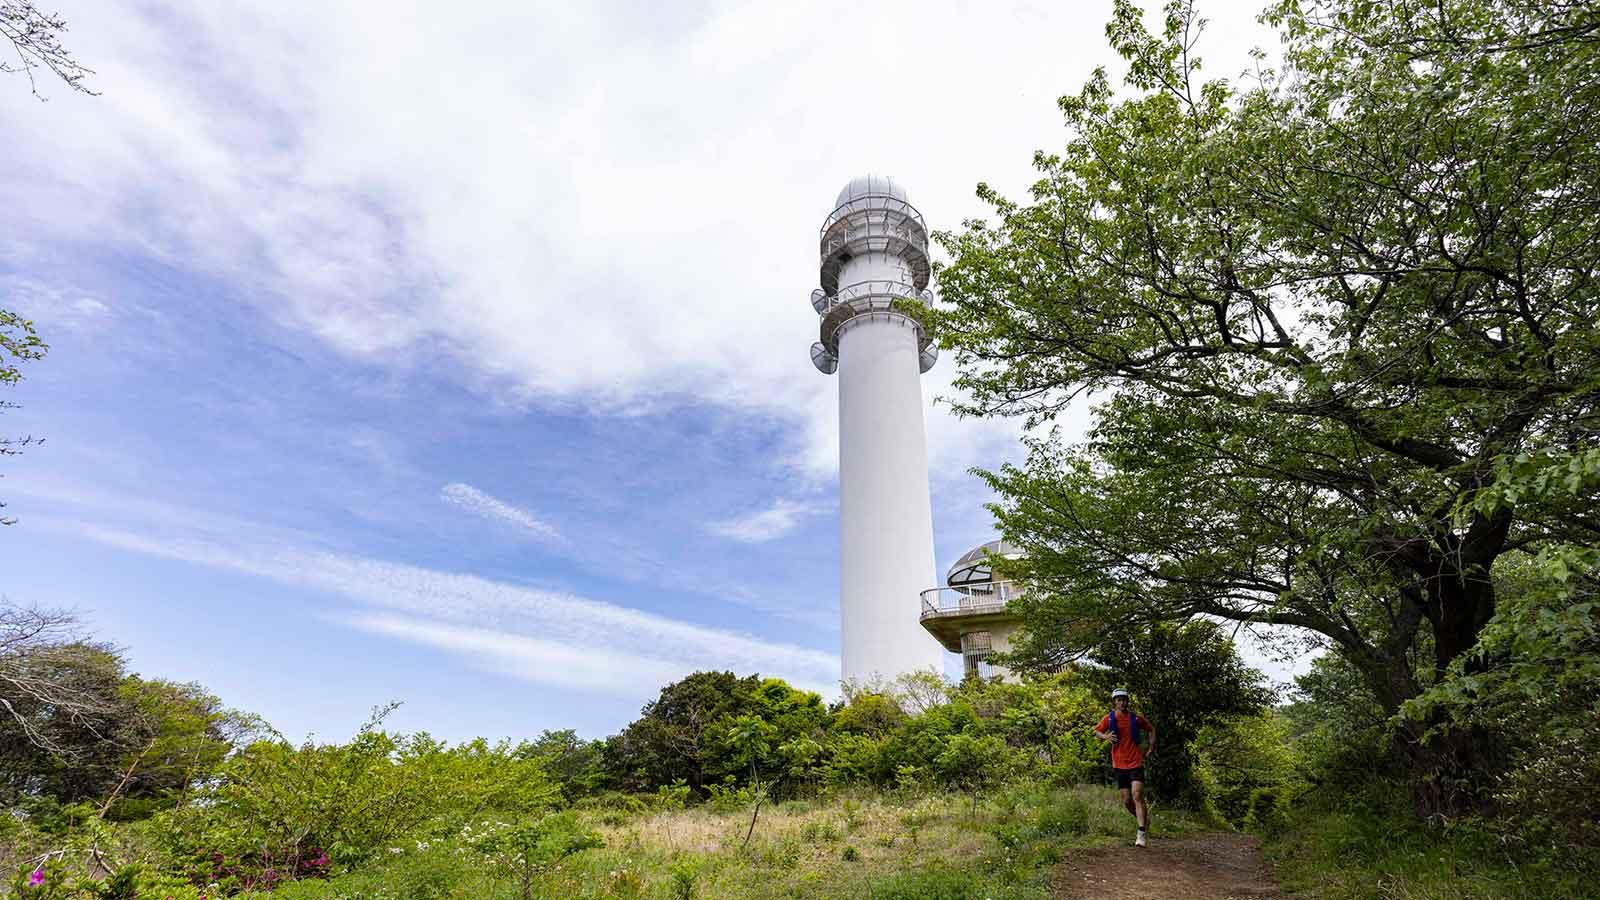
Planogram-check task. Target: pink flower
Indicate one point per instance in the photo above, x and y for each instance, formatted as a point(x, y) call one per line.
point(37, 878)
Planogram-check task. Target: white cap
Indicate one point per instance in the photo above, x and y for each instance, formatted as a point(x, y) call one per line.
point(1119, 692)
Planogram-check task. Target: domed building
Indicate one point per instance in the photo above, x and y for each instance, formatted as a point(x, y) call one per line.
point(969, 616)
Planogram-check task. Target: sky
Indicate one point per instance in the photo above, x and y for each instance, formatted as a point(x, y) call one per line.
point(457, 354)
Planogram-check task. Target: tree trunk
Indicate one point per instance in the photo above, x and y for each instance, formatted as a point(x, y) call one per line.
point(755, 780)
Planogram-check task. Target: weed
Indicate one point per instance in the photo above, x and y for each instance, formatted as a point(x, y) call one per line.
point(685, 873)
point(1064, 815)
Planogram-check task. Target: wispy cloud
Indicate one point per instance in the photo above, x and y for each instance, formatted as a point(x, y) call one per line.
point(541, 636)
point(473, 500)
point(775, 521)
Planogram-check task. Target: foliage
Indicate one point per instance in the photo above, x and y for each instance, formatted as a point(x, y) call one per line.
point(1532, 685)
point(67, 731)
point(278, 811)
point(972, 763)
point(679, 735)
point(1239, 757)
point(525, 849)
point(1329, 307)
point(1182, 678)
point(574, 763)
point(1366, 843)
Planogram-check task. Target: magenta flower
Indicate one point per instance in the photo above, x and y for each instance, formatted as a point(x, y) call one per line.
point(37, 878)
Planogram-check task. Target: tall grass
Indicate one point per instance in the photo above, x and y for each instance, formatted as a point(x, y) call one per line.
point(1367, 845)
point(916, 846)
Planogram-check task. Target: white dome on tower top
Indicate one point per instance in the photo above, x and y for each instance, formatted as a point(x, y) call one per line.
point(878, 185)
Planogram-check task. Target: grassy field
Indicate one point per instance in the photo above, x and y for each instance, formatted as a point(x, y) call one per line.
point(911, 846)
point(1360, 848)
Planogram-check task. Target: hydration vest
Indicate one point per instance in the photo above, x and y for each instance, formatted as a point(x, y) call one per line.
point(1133, 720)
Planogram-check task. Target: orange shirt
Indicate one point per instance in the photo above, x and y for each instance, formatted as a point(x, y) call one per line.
point(1125, 754)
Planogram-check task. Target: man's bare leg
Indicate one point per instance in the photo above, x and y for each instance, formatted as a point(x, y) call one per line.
point(1136, 805)
point(1127, 801)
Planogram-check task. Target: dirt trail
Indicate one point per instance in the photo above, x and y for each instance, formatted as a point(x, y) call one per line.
point(1209, 867)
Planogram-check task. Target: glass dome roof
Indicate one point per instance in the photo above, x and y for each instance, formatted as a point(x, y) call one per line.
point(973, 566)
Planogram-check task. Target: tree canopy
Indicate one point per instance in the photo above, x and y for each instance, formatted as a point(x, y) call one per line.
point(1337, 312)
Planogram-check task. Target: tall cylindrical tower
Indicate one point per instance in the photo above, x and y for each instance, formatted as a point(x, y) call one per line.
point(875, 257)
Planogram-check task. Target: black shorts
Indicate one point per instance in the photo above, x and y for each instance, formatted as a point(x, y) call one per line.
point(1126, 777)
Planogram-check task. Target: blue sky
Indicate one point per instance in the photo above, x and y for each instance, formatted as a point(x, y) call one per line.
point(459, 357)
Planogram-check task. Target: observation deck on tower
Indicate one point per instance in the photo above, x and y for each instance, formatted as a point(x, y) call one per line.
point(872, 217)
point(969, 615)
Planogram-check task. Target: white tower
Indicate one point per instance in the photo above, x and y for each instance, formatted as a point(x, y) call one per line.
point(874, 257)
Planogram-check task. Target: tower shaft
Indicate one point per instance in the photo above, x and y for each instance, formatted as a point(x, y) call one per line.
point(874, 258)
point(885, 518)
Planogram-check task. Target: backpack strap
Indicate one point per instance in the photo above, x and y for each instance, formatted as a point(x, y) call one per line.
point(1133, 723)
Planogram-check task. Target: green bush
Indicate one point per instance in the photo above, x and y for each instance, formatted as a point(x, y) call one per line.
point(684, 874)
point(1064, 815)
point(725, 798)
point(1268, 811)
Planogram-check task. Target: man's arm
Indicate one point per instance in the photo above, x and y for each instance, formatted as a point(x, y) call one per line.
point(1151, 731)
point(1102, 731)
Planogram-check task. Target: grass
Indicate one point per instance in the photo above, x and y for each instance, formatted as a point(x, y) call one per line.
point(916, 847)
point(1372, 847)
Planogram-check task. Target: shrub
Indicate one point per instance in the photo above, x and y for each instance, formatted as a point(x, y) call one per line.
point(1064, 815)
point(684, 874)
point(729, 798)
point(850, 854)
point(1268, 811)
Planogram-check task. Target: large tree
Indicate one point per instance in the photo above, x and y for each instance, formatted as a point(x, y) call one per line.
point(1336, 312)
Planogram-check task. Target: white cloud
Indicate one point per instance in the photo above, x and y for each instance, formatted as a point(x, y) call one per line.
point(54, 307)
point(606, 202)
point(475, 501)
point(542, 636)
point(775, 521)
point(527, 658)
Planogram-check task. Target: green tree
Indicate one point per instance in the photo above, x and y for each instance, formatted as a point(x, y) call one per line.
point(670, 740)
point(575, 764)
point(1534, 682)
point(1329, 307)
point(65, 731)
point(275, 809)
point(1182, 678)
point(749, 739)
point(678, 736)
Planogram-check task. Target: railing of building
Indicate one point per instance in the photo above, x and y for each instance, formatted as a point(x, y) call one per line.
point(987, 597)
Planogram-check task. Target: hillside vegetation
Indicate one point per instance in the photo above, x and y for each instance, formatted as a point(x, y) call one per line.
point(725, 786)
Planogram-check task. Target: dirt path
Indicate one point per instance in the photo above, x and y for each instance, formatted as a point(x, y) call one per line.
point(1209, 867)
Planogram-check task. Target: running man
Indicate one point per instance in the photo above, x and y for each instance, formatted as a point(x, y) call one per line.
point(1123, 729)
